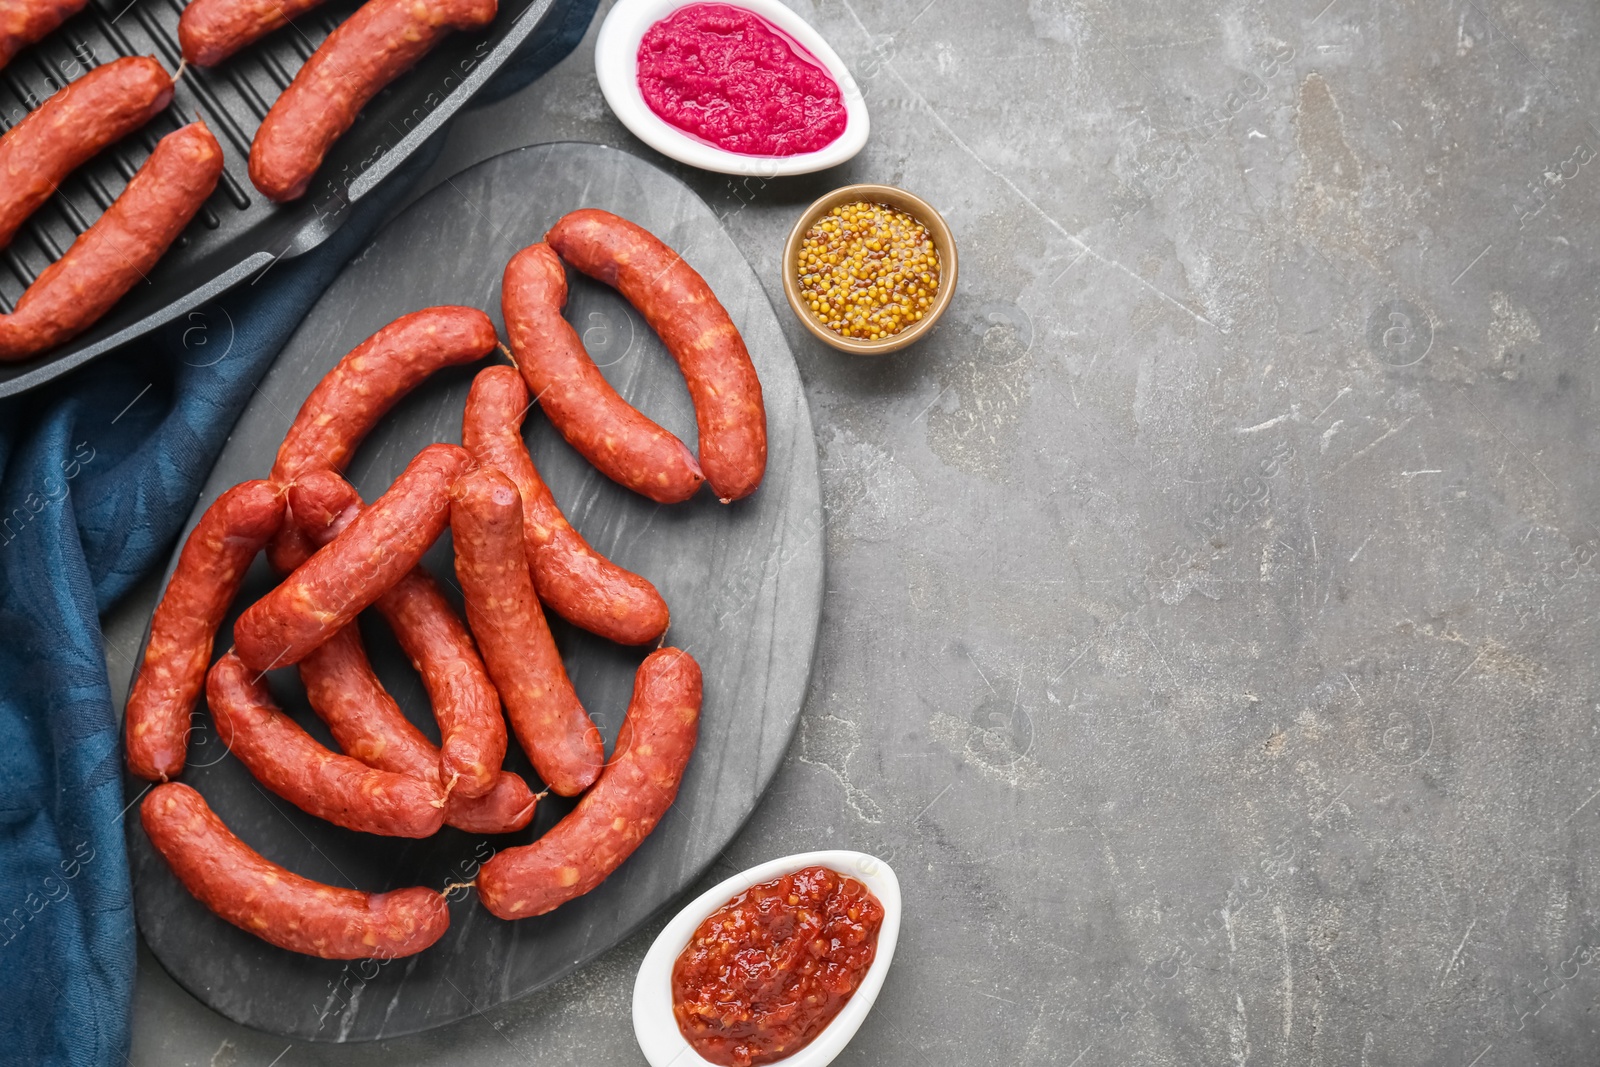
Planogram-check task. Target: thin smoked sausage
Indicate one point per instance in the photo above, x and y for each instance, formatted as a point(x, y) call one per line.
point(682, 309)
point(638, 786)
point(22, 22)
point(377, 44)
point(71, 128)
point(344, 577)
point(350, 399)
point(120, 249)
point(367, 723)
point(205, 581)
point(280, 907)
point(210, 31)
point(505, 616)
point(287, 760)
point(465, 702)
point(605, 429)
point(577, 583)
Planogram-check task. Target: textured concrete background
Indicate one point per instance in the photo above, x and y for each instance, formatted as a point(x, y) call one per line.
point(1213, 600)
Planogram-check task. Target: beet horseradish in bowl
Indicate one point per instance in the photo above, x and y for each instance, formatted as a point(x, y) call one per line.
point(777, 965)
point(746, 88)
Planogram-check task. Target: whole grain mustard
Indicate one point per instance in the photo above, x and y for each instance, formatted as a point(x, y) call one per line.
point(868, 271)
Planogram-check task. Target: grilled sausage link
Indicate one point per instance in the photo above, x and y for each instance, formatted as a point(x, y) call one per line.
point(120, 249)
point(210, 31)
point(377, 44)
point(71, 128)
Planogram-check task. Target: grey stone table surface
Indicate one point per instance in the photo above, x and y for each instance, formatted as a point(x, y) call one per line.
point(1212, 602)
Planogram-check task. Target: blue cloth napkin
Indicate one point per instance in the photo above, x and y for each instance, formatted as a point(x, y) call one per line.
point(97, 474)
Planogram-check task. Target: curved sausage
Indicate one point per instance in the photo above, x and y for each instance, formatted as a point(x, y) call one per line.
point(682, 309)
point(331, 588)
point(350, 399)
point(210, 31)
point(638, 786)
point(578, 583)
point(367, 723)
point(22, 22)
point(287, 760)
point(120, 249)
point(71, 128)
point(605, 429)
point(381, 41)
point(210, 569)
point(505, 616)
point(278, 906)
point(465, 702)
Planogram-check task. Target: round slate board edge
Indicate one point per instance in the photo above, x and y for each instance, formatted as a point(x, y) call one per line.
point(236, 987)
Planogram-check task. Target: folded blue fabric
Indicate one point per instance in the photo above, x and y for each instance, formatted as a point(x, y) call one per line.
point(97, 474)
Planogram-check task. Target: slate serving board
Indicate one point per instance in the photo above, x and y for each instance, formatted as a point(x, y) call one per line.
point(744, 583)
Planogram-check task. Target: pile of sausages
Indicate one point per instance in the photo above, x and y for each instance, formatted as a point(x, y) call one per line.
point(515, 554)
point(381, 41)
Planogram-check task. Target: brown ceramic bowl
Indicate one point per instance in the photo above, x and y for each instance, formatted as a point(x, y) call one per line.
point(943, 241)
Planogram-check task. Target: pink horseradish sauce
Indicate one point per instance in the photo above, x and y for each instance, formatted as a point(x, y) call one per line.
point(732, 79)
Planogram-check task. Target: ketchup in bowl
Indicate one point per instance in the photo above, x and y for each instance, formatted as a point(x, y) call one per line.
point(730, 78)
point(767, 972)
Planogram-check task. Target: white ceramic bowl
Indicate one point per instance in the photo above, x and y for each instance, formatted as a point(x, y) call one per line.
point(616, 62)
point(653, 1023)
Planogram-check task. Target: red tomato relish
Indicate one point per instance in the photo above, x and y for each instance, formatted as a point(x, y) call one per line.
point(729, 77)
point(771, 968)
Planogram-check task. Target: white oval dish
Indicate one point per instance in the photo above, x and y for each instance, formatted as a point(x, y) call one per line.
point(616, 63)
point(653, 1022)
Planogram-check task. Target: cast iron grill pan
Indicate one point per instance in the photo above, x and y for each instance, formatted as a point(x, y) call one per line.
point(239, 234)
